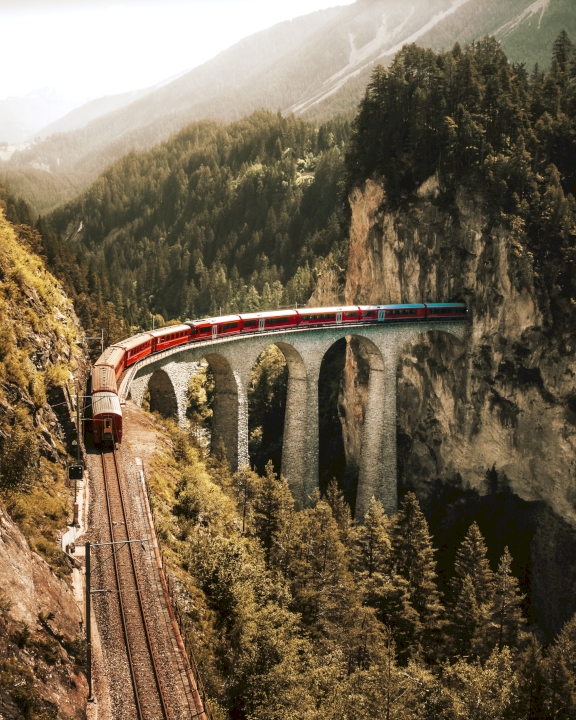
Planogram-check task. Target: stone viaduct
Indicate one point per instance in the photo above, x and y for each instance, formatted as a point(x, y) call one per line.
point(167, 375)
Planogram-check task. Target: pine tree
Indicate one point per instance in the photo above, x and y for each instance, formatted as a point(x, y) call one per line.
point(531, 678)
point(465, 618)
point(373, 544)
point(560, 671)
point(318, 570)
point(505, 613)
point(414, 561)
point(471, 562)
point(273, 512)
point(341, 512)
point(562, 51)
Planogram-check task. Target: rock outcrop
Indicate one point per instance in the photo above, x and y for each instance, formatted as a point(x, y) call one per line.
point(486, 430)
point(41, 645)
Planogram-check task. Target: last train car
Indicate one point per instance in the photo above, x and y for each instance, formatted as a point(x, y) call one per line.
point(446, 311)
point(106, 419)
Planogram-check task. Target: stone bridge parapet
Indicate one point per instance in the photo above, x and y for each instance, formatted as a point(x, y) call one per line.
point(232, 360)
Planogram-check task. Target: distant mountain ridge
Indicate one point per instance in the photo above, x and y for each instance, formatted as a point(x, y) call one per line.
point(316, 66)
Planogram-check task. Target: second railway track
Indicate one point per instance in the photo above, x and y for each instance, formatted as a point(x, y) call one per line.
point(151, 698)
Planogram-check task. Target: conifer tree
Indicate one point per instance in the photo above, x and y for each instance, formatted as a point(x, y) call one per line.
point(341, 512)
point(414, 561)
point(472, 562)
point(506, 619)
point(560, 671)
point(531, 679)
point(473, 588)
point(465, 617)
point(373, 544)
point(318, 570)
point(273, 512)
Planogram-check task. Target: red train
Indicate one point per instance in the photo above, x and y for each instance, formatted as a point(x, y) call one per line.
point(107, 413)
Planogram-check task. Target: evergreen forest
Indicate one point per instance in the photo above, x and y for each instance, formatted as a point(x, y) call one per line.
point(305, 614)
point(479, 123)
point(217, 220)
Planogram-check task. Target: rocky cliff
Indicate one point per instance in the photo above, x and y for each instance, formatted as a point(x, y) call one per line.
point(486, 430)
point(41, 646)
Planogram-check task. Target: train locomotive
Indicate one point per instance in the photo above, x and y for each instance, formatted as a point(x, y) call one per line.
point(106, 409)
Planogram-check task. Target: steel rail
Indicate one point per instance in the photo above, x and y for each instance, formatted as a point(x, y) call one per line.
point(142, 715)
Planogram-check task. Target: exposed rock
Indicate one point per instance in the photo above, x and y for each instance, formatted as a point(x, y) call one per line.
point(45, 605)
point(502, 406)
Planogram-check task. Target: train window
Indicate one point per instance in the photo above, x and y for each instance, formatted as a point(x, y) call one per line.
point(193, 331)
point(277, 321)
point(350, 314)
point(250, 323)
point(230, 326)
point(371, 313)
point(204, 330)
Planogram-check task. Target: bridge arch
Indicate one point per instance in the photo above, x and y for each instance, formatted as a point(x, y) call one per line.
point(162, 394)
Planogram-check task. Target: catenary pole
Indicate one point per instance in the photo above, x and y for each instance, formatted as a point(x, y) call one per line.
point(88, 626)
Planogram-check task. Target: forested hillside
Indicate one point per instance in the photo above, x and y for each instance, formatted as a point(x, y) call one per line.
point(469, 120)
point(219, 219)
point(302, 614)
point(316, 66)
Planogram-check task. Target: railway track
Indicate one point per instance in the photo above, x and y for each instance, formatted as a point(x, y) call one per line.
point(151, 697)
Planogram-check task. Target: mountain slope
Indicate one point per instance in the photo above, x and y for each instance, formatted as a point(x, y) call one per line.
point(317, 65)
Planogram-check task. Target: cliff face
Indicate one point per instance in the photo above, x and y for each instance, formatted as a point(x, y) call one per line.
point(486, 430)
point(41, 648)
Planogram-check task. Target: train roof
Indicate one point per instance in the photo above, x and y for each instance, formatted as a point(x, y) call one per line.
point(269, 314)
point(344, 308)
point(460, 304)
point(111, 356)
point(214, 320)
point(392, 307)
point(133, 341)
point(105, 403)
point(168, 329)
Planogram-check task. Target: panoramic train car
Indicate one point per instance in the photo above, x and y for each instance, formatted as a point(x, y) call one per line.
point(269, 320)
point(169, 336)
point(136, 347)
point(106, 418)
point(446, 311)
point(103, 379)
point(328, 315)
point(113, 357)
point(392, 313)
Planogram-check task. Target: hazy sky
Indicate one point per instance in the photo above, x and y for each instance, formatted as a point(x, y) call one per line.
point(86, 49)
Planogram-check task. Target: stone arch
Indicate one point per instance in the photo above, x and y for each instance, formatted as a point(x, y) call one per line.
point(369, 439)
point(162, 394)
point(227, 421)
